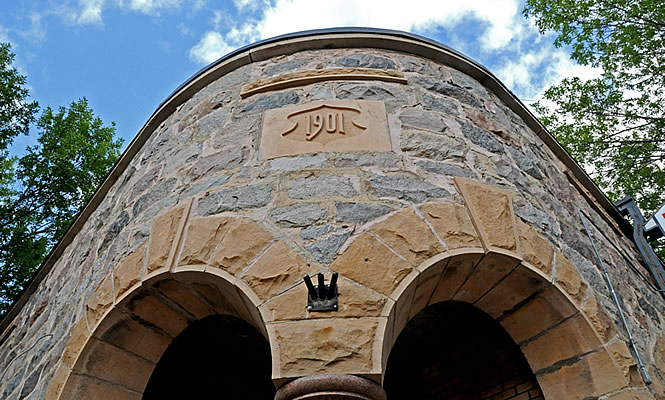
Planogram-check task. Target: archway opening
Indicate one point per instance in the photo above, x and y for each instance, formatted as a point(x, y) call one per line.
point(219, 356)
point(453, 350)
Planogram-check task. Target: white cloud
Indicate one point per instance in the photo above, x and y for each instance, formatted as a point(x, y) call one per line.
point(217, 18)
point(251, 5)
point(501, 18)
point(152, 7)
point(91, 11)
point(211, 47)
point(535, 71)
point(37, 30)
point(4, 35)
point(184, 29)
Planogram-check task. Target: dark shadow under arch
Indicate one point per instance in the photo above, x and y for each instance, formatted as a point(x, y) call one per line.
point(453, 350)
point(217, 357)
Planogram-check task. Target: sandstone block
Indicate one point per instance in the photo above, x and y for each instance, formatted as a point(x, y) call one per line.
point(659, 354)
point(452, 224)
point(226, 302)
point(57, 383)
point(544, 311)
point(162, 236)
point(123, 332)
point(243, 242)
point(568, 340)
point(588, 377)
point(149, 309)
point(100, 301)
point(536, 250)
point(409, 236)
point(184, 297)
point(599, 319)
point(621, 354)
point(453, 276)
point(489, 271)
point(77, 341)
point(428, 280)
point(202, 237)
point(83, 387)
point(128, 272)
point(492, 213)
point(569, 278)
point(354, 301)
point(111, 364)
point(404, 296)
point(276, 270)
point(514, 289)
point(333, 346)
point(370, 263)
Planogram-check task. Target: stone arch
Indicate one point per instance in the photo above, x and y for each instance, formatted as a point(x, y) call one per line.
point(558, 339)
point(118, 357)
point(507, 269)
point(192, 267)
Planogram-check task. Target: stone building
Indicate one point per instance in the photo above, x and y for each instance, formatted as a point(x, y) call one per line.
point(453, 220)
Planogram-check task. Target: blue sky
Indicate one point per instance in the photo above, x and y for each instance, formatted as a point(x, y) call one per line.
point(127, 56)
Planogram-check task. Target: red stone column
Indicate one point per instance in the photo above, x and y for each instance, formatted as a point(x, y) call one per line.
point(331, 387)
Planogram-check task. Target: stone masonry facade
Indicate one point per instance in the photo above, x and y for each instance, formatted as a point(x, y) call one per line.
point(468, 204)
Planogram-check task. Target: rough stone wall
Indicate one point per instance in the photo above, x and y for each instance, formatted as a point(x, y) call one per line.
point(442, 124)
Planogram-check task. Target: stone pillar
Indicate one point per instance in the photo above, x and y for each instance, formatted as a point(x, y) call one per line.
point(331, 387)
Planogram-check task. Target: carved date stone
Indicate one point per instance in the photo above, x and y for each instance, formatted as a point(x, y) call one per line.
point(325, 126)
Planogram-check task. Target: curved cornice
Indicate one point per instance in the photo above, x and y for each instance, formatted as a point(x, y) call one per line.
point(313, 40)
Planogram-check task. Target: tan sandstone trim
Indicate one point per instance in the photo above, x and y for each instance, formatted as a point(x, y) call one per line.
point(302, 78)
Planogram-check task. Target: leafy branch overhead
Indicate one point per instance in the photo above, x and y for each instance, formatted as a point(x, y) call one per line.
point(614, 124)
point(43, 189)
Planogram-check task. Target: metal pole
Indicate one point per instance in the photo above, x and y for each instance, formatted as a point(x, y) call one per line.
point(640, 363)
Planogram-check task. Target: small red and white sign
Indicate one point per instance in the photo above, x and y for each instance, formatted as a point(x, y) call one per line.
point(657, 221)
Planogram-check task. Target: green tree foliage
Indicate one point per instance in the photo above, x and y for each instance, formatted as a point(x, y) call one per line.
point(613, 125)
point(16, 112)
point(43, 190)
